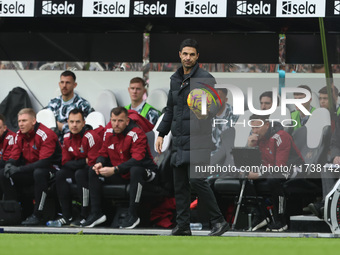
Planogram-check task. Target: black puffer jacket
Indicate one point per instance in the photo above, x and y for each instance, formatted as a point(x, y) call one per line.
point(188, 131)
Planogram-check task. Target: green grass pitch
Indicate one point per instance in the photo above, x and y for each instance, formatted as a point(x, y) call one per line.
point(60, 244)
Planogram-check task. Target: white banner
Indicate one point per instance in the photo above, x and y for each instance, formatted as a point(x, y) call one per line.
point(16, 8)
point(201, 8)
point(300, 8)
point(106, 8)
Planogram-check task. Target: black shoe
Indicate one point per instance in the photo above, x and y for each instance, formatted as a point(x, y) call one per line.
point(277, 227)
point(94, 219)
point(130, 222)
point(259, 222)
point(178, 231)
point(219, 228)
point(78, 222)
point(32, 220)
point(317, 209)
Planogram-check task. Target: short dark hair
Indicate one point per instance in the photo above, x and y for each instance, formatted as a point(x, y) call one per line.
point(2, 117)
point(138, 80)
point(224, 90)
point(303, 87)
point(267, 94)
point(323, 90)
point(68, 73)
point(76, 111)
point(118, 110)
point(264, 118)
point(270, 95)
point(189, 43)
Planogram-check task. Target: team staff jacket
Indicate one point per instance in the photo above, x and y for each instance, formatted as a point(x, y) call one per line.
point(278, 149)
point(39, 148)
point(6, 145)
point(127, 149)
point(148, 112)
point(78, 147)
point(139, 120)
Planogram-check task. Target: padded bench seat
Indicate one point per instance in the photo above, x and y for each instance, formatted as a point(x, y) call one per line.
point(233, 187)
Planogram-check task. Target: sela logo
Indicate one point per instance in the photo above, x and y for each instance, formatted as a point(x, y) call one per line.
point(245, 8)
point(301, 8)
point(105, 8)
point(12, 8)
point(141, 8)
point(336, 7)
point(50, 8)
point(193, 8)
point(16, 8)
point(201, 8)
point(289, 8)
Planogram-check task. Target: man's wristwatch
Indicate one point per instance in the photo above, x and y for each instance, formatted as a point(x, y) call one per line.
point(115, 170)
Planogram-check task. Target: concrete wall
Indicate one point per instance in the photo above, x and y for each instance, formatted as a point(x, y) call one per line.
point(44, 84)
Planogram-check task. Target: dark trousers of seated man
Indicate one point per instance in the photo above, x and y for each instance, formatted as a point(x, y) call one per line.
point(277, 196)
point(63, 179)
point(138, 176)
point(39, 178)
point(182, 183)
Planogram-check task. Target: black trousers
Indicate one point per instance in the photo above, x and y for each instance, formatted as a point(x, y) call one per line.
point(138, 176)
point(18, 182)
point(277, 195)
point(63, 179)
point(183, 185)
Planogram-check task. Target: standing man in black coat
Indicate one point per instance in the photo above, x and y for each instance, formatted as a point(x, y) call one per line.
point(186, 129)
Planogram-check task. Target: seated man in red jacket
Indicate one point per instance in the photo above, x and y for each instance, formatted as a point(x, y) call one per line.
point(35, 157)
point(6, 141)
point(277, 149)
point(6, 144)
point(124, 158)
point(80, 151)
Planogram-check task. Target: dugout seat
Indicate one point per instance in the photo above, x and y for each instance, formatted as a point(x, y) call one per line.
point(242, 130)
point(313, 141)
point(46, 117)
point(95, 120)
point(158, 99)
point(106, 100)
point(315, 100)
